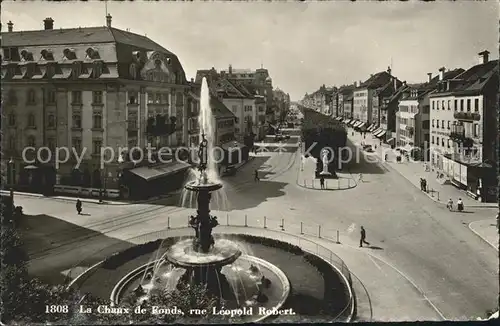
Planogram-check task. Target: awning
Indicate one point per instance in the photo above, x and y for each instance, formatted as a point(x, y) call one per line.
point(376, 131)
point(357, 123)
point(362, 125)
point(30, 167)
point(372, 128)
point(391, 140)
point(339, 118)
point(352, 122)
point(380, 134)
point(157, 171)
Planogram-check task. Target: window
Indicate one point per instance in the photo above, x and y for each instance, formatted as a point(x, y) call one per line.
point(76, 97)
point(150, 98)
point(437, 140)
point(132, 97)
point(461, 105)
point(51, 143)
point(442, 124)
point(476, 105)
point(442, 103)
point(96, 144)
point(437, 123)
point(31, 120)
point(432, 140)
point(449, 105)
point(442, 142)
point(31, 141)
point(77, 145)
point(12, 119)
point(77, 121)
point(476, 130)
point(455, 107)
point(433, 107)
point(31, 96)
point(449, 142)
point(51, 121)
point(51, 96)
point(12, 143)
point(437, 105)
point(97, 120)
point(449, 123)
point(97, 97)
point(157, 98)
point(468, 105)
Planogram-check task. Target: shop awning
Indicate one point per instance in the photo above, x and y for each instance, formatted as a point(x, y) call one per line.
point(353, 122)
point(362, 125)
point(372, 128)
point(357, 123)
point(391, 140)
point(380, 134)
point(157, 171)
point(376, 131)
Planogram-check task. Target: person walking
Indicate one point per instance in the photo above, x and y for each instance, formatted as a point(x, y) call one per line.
point(256, 176)
point(424, 184)
point(322, 182)
point(360, 177)
point(79, 206)
point(460, 205)
point(449, 205)
point(363, 237)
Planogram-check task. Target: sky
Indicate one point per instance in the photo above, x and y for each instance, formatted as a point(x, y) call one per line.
point(303, 44)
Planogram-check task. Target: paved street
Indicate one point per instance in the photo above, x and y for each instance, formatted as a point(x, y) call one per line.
point(424, 263)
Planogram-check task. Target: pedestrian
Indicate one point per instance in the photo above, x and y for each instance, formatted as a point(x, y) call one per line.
point(256, 176)
point(449, 205)
point(421, 184)
point(460, 205)
point(363, 237)
point(360, 177)
point(322, 182)
point(79, 206)
point(424, 184)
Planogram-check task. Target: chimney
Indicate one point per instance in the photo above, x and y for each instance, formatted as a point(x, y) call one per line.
point(48, 23)
point(430, 76)
point(230, 70)
point(10, 26)
point(389, 70)
point(483, 57)
point(441, 73)
point(108, 20)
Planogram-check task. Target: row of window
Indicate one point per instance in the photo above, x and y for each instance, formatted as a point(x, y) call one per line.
point(247, 108)
point(457, 104)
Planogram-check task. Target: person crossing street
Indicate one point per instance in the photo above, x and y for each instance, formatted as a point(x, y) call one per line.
point(256, 176)
point(79, 206)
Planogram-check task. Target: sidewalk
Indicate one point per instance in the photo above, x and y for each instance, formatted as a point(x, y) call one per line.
point(306, 177)
point(413, 171)
point(486, 230)
point(108, 202)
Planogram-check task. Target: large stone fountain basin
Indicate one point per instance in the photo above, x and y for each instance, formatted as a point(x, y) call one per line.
point(223, 252)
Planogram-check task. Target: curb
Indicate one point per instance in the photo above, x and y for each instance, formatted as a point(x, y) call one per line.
point(493, 205)
point(480, 236)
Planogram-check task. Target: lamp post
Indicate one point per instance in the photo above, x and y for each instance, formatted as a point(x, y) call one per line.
point(11, 170)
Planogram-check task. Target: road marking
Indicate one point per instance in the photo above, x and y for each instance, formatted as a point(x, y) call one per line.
point(411, 282)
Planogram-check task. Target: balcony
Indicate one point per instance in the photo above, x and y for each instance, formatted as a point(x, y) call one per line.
point(468, 116)
point(461, 138)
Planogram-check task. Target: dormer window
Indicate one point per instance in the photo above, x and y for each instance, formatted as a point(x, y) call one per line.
point(69, 54)
point(47, 55)
point(26, 55)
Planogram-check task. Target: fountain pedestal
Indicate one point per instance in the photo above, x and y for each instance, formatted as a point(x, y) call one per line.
point(203, 257)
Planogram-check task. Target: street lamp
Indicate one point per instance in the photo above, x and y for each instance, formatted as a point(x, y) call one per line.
point(11, 170)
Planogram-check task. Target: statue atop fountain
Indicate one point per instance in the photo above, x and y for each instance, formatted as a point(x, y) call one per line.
point(324, 159)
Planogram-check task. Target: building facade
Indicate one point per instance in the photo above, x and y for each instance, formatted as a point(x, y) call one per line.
point(465, 130)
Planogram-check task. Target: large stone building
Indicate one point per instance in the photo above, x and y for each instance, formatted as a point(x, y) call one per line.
point(86, 89)
point(413, 116)
point(464, 129)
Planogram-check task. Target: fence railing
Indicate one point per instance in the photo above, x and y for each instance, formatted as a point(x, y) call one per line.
point(330, 184)
point(239, 223)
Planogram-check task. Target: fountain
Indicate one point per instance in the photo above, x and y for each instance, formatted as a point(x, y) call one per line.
point(228, 271)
